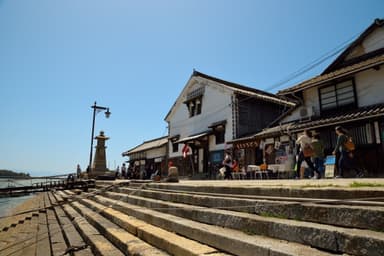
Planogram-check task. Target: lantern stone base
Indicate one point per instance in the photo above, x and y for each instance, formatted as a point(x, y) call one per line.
point(101, 174)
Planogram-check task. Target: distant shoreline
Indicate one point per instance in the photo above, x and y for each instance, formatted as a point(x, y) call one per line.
point(13, 174)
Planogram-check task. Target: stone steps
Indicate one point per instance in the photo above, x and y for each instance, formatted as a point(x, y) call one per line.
point(279, 190)
point(344, 215)
point(144, 238)
point(63, 230)
point(123, 240)
point(225, 239)
point(317, 225)
point(22, 234)
point(324, 237)
point(20, 213)
point(20, 239)
point(198, 218)
point(165, 240)
point(48, 231)
point(99, 244)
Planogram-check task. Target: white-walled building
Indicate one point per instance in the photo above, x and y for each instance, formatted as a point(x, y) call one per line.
point(208, 113)
point(149, 156)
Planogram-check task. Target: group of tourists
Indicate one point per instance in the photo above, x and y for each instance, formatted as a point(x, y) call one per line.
point(135, 172)
point(311, 151)
point(126, 173)
point(310, 157)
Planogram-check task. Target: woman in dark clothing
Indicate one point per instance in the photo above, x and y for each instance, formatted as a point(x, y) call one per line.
point(343, 162)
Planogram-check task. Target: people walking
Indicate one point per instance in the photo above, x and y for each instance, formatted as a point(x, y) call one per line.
point(305, 153)
point(227, 162)
point(345, 147)
point(343, 161)
point(318, 154)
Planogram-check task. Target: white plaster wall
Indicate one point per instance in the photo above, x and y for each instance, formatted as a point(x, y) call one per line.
point(215, 107)
point(370, 87)
point(156, 152)
point(311, 100)
point(375, 40)
point(372, 42)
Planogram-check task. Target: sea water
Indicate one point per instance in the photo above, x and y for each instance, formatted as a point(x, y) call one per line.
point(8, 203)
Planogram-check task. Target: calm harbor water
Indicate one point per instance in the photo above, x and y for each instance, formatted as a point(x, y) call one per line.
point(8, 203)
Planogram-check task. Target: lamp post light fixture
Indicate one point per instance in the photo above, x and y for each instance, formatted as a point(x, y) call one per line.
point(96, 109)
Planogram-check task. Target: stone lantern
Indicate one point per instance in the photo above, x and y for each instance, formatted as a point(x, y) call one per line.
point(99, 166)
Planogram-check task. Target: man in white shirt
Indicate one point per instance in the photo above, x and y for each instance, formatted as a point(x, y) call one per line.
point(305, 141)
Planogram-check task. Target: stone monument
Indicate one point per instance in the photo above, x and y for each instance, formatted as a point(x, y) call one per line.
point(99, 166)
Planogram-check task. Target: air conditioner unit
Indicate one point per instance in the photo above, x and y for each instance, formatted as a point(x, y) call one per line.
point(306, 112)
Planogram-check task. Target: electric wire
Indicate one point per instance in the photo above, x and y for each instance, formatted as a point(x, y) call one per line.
point(314, 63)
point(297, 73)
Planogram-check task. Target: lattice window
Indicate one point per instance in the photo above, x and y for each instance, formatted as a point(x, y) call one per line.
point(337, 95)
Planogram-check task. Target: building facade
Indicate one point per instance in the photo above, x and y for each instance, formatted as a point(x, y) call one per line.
point(148, 157)
point(349, 93)
point(208, 113)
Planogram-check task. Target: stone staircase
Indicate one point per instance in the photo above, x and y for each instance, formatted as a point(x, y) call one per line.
point(176, 219)
point(139, 218)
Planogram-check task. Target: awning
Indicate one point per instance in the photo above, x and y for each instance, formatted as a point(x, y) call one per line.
point(215, 124)
point(194, 137)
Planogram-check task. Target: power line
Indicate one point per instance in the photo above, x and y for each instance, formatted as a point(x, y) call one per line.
point(314, 63)
point(336, 50)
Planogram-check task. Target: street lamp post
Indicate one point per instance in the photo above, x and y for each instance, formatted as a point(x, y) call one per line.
point(96, 109)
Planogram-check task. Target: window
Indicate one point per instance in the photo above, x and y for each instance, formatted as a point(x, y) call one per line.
point(220, 136)
point(337, 95)
point(175, 147)
point(198, 107)
point(194, 101)
point(194, 107)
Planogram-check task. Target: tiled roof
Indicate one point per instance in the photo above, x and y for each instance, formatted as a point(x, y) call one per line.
point(363, 113)
point(245, 90)
point(146, 145)
point(351, 116)
point(363, 65)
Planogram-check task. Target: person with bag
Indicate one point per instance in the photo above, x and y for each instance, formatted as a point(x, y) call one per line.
point(343, 161)
point(345, 147)
point(227, 162)
point(305, 153)
point(318, 154)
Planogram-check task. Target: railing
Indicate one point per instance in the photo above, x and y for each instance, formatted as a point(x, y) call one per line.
point(13, 190)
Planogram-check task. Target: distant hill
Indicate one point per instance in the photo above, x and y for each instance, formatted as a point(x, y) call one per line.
point(8, 173)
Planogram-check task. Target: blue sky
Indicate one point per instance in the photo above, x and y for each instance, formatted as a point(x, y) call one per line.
point(58, 57)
